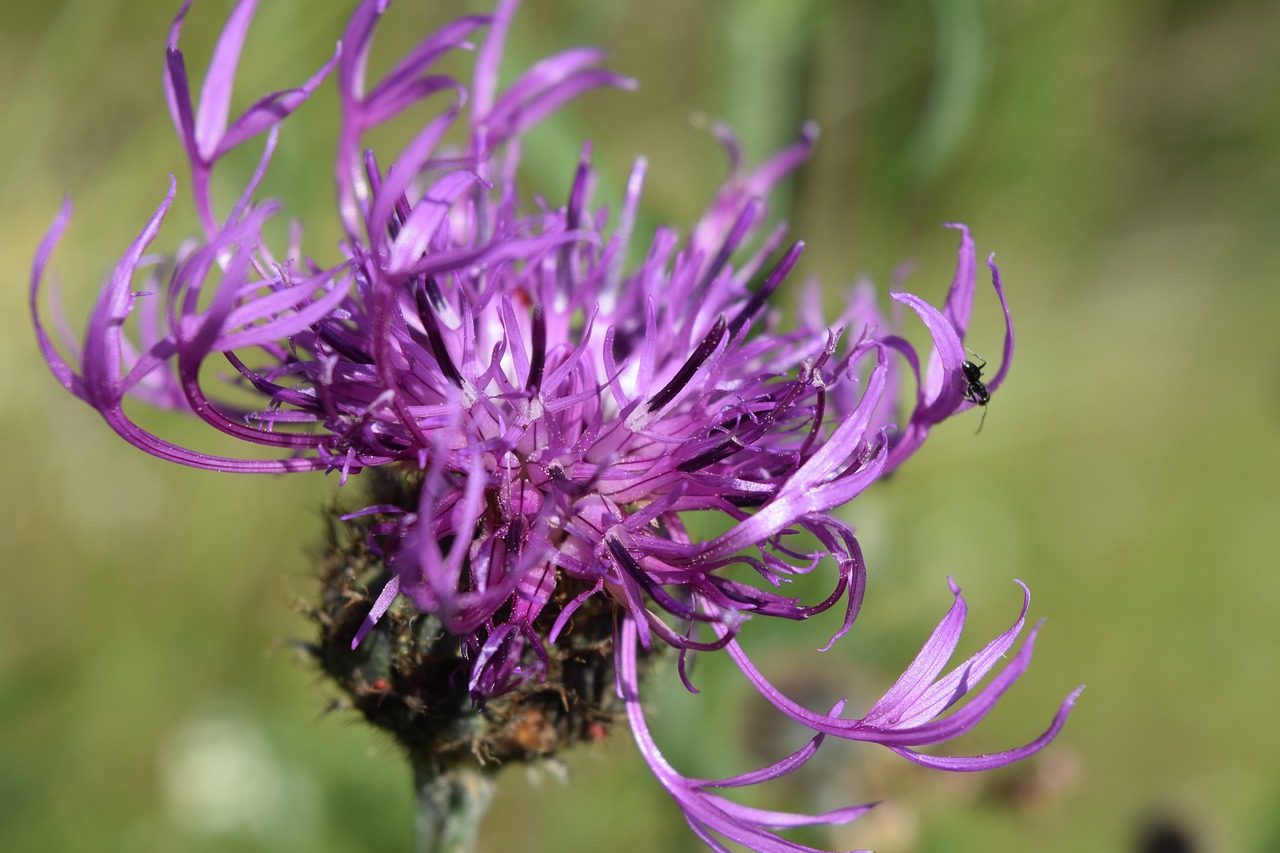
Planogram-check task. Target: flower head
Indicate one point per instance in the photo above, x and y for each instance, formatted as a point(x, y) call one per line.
point(548, 414)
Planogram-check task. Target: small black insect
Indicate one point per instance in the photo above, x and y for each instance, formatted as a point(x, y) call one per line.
point(976, 391)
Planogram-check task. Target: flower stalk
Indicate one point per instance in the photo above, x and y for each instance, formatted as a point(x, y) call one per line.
point(451, 803)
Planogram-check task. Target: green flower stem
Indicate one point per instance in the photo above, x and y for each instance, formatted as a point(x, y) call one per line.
point(451, 803)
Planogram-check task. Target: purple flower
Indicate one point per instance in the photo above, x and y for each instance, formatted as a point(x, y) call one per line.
point(554, 413)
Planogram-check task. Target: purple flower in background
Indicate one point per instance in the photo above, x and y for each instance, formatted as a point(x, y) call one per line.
point(543, 414)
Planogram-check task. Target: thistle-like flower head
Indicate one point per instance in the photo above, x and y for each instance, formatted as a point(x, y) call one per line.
point(550, 411)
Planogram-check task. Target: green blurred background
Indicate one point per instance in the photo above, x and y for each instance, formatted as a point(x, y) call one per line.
point(1123, 159)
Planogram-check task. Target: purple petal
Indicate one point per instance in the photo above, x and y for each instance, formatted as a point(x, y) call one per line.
point(215, 96)
point(1007, 354)
point(178, 92)
point(61, 370)
point(959, 302)
point(993, 760)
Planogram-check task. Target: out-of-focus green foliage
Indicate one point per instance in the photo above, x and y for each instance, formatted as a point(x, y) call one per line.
point(1122, 158)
